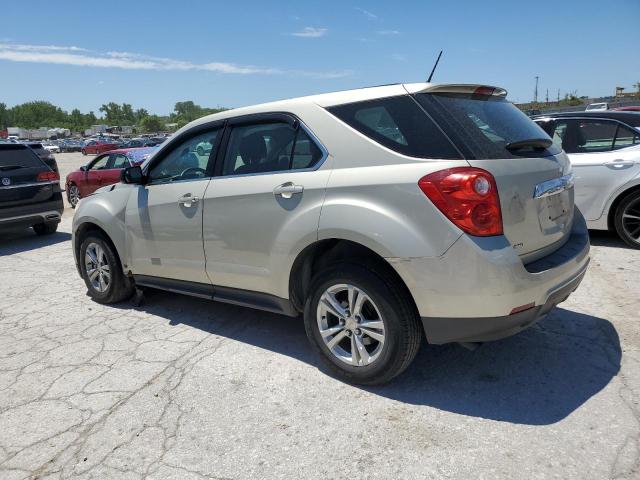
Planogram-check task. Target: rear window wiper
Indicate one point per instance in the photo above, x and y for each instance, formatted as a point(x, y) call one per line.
point(538, 143)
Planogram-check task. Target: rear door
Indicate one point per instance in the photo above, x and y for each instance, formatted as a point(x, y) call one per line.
point(603, 161)
point(494, 135)
point(111, 174)
point(263, 203)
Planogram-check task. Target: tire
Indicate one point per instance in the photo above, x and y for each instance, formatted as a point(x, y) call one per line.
point(73, 195)
point(401, 332)
point(84, 152)
point(45, 228)
point(118, 287)
point(627, 226)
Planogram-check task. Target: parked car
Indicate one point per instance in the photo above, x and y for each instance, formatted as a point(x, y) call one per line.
point(30, 193)
point(631, 108)
point(101, 171)
point(71, 145)
point(381, 215)
point(596, 107)
point(140, 142)
point(97, 147)
point(53, 148)
point(604, 148)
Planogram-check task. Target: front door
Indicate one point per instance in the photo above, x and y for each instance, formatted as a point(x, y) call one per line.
point(601, 159)
point(263, 203)
point(93, 175)
point(164, 216)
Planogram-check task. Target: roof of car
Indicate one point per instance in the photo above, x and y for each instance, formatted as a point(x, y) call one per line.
point(632, 118)
point(335, 98)
point(134, 154)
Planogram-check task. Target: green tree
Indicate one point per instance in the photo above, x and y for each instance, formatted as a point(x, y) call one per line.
point(38, 114)
point(5, 116)
point(152, 124)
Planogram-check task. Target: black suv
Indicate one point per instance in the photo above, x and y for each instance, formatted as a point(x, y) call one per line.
point(30, 193)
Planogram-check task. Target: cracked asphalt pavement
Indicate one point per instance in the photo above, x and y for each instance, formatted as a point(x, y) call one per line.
point(182, 388)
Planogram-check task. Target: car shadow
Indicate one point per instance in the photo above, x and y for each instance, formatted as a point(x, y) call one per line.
point(24, 239)
point(605, 238)
point(537, 377)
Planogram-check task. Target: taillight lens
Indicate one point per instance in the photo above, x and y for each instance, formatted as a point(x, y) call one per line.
point(49, 176)
point(468, 197)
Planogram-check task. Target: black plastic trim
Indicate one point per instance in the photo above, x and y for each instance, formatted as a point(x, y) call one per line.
point(235, 296)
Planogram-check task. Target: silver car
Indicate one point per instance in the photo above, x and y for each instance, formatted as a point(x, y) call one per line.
point(382, 215)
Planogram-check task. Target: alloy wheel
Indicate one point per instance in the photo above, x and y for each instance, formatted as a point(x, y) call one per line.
point(74, 195)
point(97, 267)
point(350, 325)
point(631, 220)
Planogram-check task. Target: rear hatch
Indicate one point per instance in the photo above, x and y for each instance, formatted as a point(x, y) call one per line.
point(24, 178)
point(532, 175)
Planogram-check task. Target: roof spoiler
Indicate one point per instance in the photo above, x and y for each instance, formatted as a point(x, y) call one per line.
point(468, 89)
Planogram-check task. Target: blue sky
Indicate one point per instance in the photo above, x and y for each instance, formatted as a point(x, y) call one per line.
point(151, 54)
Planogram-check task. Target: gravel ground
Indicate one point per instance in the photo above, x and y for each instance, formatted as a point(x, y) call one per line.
point(182, 388)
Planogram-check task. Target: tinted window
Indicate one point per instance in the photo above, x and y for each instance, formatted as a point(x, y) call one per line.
point(269, 147)
point(17, 156)
point(482, 126)
point(625, 137)
point(595, 136)
point(397, 123)
point(188, 160)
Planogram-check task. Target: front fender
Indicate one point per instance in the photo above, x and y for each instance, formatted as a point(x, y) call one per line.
point(105, 210)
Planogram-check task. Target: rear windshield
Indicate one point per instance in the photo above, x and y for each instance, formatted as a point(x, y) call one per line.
point(399, 124)
point(482, 126)
point(17, 156)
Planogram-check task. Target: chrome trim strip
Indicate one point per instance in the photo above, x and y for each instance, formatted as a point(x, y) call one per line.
point(24, 185)
point(48, 215)
point(554, 186)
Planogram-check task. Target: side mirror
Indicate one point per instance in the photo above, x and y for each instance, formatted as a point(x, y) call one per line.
point(84, 168)
point(132, 175)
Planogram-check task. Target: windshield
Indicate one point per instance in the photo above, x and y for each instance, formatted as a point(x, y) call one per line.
point(484, 126)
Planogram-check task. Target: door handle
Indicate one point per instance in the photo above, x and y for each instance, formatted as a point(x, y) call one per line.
point(619, 164)
point(287, 190)
point(188, 200)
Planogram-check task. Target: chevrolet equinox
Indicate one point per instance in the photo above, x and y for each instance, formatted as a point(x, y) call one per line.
point(378, 214)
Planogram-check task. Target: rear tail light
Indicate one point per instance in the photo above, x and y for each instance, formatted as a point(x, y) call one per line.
point(468, 197)
point(49, 176)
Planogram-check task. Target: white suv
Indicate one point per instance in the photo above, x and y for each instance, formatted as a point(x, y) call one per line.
point(379, 214)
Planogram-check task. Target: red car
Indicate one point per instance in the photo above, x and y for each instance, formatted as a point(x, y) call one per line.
point(628, 109)
point(97, 147)
point(103, 170)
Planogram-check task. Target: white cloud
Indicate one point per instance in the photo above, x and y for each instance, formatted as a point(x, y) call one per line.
point(367, 13)
point(62, 55)
point(311, 32)
point(388, 32)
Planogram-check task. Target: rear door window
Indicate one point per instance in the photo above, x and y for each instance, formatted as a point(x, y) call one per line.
point(399, 124)
point(595, 136)
point(482, 126)
point(625, 137)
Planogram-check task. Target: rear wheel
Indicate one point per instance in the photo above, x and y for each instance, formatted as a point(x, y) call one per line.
point(627, 219)
point(102, 272)
point(84, 152)
point(362, 324)
point(73, 195)
point(45, 228)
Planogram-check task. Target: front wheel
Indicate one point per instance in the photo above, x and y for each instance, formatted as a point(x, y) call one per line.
point(84, 152)
point(363, 325)
point(627, 219)
point(102, 271)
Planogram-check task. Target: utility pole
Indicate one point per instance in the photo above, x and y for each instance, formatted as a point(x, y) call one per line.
point(547, 95)
point(535, 92)
point(558, 95)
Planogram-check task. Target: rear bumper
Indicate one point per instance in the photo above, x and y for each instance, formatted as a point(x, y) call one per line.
point(468, 294)
point(32, 214)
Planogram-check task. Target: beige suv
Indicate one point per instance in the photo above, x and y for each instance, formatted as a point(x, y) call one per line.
point(381, 215)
